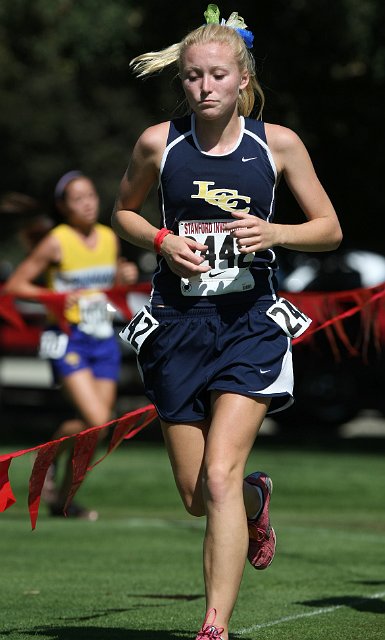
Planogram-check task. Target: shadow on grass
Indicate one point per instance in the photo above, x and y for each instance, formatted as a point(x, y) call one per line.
point(369, 604)
point(66, 632)
point(99, 633)
point(167, 600)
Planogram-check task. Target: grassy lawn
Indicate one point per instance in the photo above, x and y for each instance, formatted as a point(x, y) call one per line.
point(135, 574)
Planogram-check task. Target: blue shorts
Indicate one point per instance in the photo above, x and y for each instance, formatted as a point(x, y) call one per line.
point(101, 356)
point(193, 353)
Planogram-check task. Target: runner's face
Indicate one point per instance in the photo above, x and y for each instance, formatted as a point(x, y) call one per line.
point(211, 79)
point(81, 204)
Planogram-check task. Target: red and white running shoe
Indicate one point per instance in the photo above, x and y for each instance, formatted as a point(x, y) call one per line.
point(209, 631)
point(262, 539)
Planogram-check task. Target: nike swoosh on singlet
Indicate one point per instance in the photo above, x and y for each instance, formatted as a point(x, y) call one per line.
point(248, 159)
point(218, 273)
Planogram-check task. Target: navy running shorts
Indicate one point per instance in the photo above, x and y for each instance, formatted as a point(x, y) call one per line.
point(194, 352)
point(102, 356)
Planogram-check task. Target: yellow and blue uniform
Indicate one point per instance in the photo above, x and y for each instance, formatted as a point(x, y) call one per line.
point(91, 342)
point(83, 267)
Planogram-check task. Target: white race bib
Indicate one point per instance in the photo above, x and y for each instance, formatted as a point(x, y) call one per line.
point(53, 345)
point(96, 315)
point(288, 317)
point(139, 328)
point(230, 269)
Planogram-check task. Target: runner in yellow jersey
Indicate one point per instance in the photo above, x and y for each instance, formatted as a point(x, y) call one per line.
point(79, 257)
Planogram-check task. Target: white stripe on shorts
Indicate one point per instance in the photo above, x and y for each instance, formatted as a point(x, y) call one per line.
point(284, 383)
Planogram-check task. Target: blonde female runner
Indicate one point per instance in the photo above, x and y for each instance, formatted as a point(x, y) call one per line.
point(214, 344)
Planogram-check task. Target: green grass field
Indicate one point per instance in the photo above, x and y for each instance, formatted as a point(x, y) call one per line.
point(135, 574)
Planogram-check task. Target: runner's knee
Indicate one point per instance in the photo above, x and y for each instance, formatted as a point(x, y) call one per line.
point(220, 481)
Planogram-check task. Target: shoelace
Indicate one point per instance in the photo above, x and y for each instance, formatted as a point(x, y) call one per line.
point(209, 631)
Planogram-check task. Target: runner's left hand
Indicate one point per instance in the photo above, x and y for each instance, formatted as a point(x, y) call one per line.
point(252, 233)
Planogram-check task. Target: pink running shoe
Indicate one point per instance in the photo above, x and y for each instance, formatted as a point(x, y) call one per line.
point(262, 539)
point(209, 631)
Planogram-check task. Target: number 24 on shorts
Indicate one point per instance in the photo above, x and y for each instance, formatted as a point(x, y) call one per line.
point(288, 317)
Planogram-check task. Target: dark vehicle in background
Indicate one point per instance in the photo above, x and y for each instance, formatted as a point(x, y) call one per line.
point(333, 385)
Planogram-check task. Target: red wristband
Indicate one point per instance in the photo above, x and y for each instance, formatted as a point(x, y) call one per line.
point(160, 236)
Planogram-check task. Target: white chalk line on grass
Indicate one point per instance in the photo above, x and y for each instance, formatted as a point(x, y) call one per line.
point(308, 614)
point(164, 523)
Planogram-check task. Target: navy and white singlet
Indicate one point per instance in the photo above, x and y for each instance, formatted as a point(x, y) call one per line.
point(213, 333)
point(197, 194)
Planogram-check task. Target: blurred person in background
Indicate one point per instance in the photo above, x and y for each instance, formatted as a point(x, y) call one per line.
point(79, 257)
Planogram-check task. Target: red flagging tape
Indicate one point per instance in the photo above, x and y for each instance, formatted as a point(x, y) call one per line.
point(362, 299)
point(44, 458)
point(326, 309)
point(7, 499)
point(84, 444)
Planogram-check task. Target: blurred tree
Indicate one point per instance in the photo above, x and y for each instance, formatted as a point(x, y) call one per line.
point(64, 94)
point(68, 98)
point(324, 76)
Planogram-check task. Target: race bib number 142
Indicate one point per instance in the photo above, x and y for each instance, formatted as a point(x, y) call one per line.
point(230, 269)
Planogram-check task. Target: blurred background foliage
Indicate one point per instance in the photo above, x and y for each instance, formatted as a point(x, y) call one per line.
point(68, 99)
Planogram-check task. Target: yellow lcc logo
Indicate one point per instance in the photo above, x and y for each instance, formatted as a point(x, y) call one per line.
point(225, 199)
